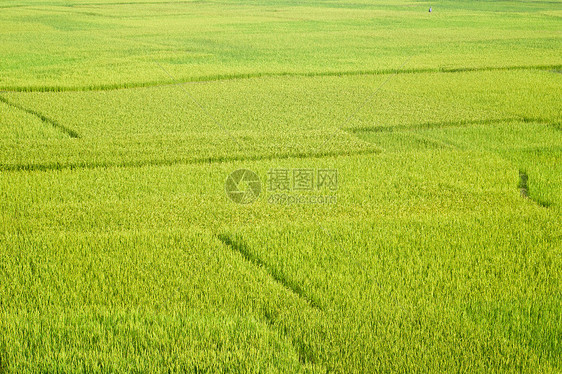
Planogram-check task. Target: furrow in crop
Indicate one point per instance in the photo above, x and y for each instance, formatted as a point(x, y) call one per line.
point(524, 189)
point(185, 161)
point(555, 125)
point(223, 77)
point(433, 125)
point(437, 143)
point(289, 285)
point(71, 133)
point(305, 355)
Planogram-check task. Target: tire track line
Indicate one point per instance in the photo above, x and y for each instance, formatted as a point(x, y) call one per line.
point(462, 123)
point(187, 161)
point(227, 77)
point(292, 287)
point(66, 130)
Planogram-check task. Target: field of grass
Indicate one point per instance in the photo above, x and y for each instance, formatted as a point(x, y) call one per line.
point(120, 250)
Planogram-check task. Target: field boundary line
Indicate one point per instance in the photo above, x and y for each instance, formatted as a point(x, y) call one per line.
point(241, 76)
point(186, 161)
point(445, 124)
point(293, 288)
point(66, 130)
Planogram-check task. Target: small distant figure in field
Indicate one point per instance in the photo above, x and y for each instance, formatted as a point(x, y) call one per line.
point(429, 9)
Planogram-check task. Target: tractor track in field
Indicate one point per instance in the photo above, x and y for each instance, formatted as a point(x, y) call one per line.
point(524, 189)
point(237, 246)
point(289, 285)
point(304, 354)
point(66, 130)
point(463, 123)
point(228, 77)
point(51, 166)
point(188, 161)
point(410, 130)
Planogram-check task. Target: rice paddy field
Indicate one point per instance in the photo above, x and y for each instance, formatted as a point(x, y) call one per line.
point(430, 239)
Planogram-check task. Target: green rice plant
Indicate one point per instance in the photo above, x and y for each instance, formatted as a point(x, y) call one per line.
point(272, 117)
point(108, 44)
point(17, 126)
point(121, 250)
point(427, 254)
